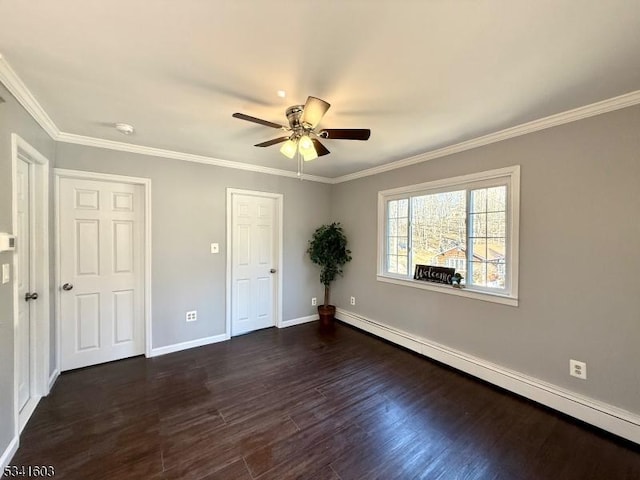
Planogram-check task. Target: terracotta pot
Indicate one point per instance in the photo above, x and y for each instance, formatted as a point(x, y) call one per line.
point(327, 315)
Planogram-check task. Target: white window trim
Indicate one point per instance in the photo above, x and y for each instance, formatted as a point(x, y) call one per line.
point(513, 225)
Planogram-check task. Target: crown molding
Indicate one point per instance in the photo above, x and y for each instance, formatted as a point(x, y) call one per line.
point(609, 105)
point(19, 90)
point(604, 106)
point(10, 79)
point(187, 157)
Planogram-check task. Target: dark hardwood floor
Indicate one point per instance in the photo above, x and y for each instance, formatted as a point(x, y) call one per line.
point(301, 403)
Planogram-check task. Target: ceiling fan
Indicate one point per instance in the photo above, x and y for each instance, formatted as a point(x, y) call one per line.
point(302, 131)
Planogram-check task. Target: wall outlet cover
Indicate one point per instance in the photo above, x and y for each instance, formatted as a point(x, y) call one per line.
point(578, 369)
point(6, 273)
point(192, 316)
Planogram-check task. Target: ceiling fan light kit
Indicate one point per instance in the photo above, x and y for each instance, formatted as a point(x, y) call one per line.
point(302, 133)
point(289, 148)
point(311, 154)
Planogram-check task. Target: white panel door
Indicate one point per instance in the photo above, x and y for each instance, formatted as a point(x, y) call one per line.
point(254, 261)
point(23, 279)
point(101, 271)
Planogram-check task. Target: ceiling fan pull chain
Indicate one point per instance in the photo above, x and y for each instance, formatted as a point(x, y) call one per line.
point(300, 164)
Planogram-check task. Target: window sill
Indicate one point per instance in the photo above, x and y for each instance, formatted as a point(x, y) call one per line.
point(449, 290)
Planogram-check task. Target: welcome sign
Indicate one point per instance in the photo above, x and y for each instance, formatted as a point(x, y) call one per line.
point(434, 274)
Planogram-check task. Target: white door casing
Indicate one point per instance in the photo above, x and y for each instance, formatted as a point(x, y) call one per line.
point(254, 260)
point(101, 271)
point(30, 223)
point(23, 275)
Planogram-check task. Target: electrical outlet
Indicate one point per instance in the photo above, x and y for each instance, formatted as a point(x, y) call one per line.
point(215, 248)
point(314, 301)
point(192, 316)
point(6, 273)
point(578, 369)
point(353, 300)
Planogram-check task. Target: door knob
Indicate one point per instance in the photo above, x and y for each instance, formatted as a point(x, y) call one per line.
point(30, 296)
point(273, 270)
point(67, 286)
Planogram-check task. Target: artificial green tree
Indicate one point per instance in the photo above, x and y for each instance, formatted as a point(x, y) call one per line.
point(328, 249)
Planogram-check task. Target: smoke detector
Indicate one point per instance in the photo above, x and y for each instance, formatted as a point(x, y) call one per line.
point(125, 128)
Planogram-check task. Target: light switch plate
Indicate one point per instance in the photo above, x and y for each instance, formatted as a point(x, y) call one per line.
point(6, 273)
point(215, 248)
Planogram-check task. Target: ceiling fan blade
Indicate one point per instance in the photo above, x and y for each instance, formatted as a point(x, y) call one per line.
point(320, 148)
point(346, 133)
point(268, 143)
point(314, 110)
point(249, 118)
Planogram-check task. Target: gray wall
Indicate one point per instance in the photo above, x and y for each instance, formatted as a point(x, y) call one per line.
point(579, 261)
point(13, 119)
point(189, 212)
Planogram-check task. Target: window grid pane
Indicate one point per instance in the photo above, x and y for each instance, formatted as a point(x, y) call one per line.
point(487, 219)
point(392, 263)
point(397, 245)
point(392, 245)
point(402, 264)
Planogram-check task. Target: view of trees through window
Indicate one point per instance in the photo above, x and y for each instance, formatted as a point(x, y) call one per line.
point(462, 229)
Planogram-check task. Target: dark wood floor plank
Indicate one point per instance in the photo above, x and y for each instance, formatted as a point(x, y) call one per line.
point(224, 445)
point(306, 403)
point(236, 471)
point(304, 453)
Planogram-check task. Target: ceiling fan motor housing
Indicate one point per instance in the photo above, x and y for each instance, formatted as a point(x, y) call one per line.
point(294, 113)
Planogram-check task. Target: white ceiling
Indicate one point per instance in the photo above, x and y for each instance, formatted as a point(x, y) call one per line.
point(421, 75)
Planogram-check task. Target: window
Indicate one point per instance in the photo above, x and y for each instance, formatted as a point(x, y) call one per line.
point(469, 223)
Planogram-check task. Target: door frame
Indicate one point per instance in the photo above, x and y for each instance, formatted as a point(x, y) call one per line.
point(60, 173)
point(277, 294)
point(40, 322)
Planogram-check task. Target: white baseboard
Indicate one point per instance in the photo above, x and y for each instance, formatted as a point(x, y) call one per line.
point(52, 380)
point(8, 454)
point(176, 347)
point(608, 417)
point(297, 321)
point(155, 352)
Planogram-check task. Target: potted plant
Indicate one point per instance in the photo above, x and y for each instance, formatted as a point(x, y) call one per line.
point(328, 249)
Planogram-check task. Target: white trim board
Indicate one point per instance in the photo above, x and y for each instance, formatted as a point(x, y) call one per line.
point(604, 106)
point(279, 198)
point(20, 91)
point(41, 322)
point(177, 347)
point(146, 184)
point(8, 453)
point(607, 417)
point(297, 321)
point(52, 379)
point(187, 157)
